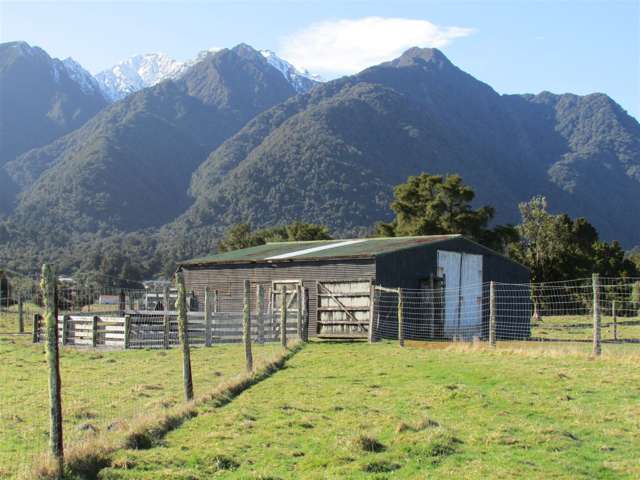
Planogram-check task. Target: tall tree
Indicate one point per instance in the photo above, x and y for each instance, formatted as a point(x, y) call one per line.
point(435, 204)
point(555, 247)
point(543, 237)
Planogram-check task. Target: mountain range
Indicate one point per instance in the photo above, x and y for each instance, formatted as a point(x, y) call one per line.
point(142, 71)
point(240, 135)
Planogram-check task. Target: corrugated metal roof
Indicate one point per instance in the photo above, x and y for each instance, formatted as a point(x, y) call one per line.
point(319, 250)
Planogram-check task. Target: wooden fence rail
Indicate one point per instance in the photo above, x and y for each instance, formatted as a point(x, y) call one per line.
point(146, 329)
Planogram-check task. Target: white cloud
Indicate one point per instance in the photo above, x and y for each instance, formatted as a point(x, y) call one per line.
point(348, 46)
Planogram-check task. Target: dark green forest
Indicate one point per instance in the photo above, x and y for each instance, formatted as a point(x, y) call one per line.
point(229, 155)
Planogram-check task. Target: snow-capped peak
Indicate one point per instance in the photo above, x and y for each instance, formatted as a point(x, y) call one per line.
point(301, 81)
point(146, 70)
point(87, 82)
point(138, 72)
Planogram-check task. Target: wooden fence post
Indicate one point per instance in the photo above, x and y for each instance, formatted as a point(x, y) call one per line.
point(49, 294)
point(183, 329)
point(400, 318)
point(207, 317)
point(492, 314)
point(122, 305)
point(272, 311)
point(94, 332)
point(305, 309)
point(372, 297)
point(246, 326)
point(66, 320)
point(166, 321)
point(127, 331)
point(20, 315)
point(615, 320)
point(259, 307)
point(299, 308)
point(216, 301)
point(35, 333)
point(597, 334)
point(283, 317)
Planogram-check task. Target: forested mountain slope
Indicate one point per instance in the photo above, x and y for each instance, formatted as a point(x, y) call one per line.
point(333, 155)
point(129, 167)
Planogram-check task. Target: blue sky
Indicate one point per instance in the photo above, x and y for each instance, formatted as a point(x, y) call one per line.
point(515, 46)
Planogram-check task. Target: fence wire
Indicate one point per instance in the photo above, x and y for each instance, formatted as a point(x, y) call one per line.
point(111, 377)
point(555, 311)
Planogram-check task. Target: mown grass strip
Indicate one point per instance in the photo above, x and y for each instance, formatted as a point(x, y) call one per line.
point(84, 461)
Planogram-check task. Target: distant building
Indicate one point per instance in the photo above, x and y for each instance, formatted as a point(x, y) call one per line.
point(108, 299)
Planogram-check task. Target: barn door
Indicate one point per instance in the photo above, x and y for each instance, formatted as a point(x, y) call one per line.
point(462, 293)
point(343, 308)
point(471, 296)
point(449, 264)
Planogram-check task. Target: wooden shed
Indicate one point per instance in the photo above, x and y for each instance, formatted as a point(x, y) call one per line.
point(337, 276)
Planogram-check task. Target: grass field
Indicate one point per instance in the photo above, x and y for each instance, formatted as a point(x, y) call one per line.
point(580, 327)
point(361, 411)
point(9, 318)
point(100, 389)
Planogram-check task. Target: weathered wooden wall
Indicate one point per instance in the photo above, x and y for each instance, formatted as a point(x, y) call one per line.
point(227, 280)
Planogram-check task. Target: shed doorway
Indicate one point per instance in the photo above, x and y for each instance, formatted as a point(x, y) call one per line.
point(462, 274)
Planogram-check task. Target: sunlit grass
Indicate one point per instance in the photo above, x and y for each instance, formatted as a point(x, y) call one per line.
point(101, 389)
point(381, 411)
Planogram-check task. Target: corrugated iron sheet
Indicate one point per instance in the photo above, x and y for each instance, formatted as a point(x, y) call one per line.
point(363, 248)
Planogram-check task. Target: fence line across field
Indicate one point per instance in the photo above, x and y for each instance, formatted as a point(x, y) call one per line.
point(105, 384)
point(207, 323)
point(584, 310)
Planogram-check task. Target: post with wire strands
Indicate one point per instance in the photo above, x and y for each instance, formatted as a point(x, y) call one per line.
point(183, 331)
point(400, 318)
point(299, 308)
point(597, 334)
point(66, 320)
point(35, 327)
point(492, 314)
point(372, 295)
point(260, 314)
point(615, 320)
point(283, 317)
point(207, 317)
point(166, 323)
point(246, 326)
point(122, 299)
point(20, 315)
point(50, 297)
point(127, 331)
point(94, 332)
point(305, 315)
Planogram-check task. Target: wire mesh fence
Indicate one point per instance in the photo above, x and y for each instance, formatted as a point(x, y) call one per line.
point(551, 312)
point(118, 363)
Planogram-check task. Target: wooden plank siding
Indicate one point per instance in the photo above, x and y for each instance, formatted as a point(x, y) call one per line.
point(227, 280)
